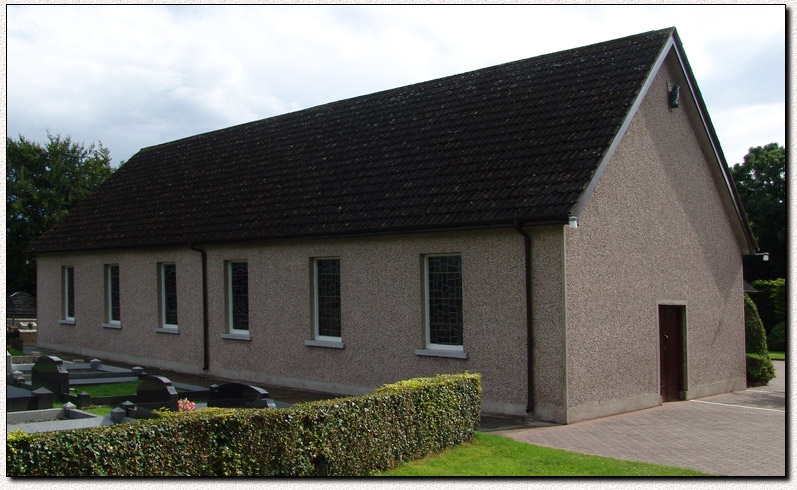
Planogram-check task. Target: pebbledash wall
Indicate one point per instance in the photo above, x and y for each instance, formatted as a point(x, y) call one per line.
point(654, 231)
point(382, 313)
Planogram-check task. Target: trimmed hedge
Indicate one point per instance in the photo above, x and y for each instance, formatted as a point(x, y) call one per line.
point(341, 437)
point(759, 369)
point(754, 336)
point(759, 365)
point(776, 340)
point(771, 301)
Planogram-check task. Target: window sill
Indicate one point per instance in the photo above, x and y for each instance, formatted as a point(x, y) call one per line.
point(455, 354)
point(67, 322)
point(172, 331)
point(236, 336)
point(117, 326)
point(330, 344)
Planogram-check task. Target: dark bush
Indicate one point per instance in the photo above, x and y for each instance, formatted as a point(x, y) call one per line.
point(776, 340)
point(771, 302)
point(759, 369)
point(346, 436)
point(754, 336)
point(756, 346)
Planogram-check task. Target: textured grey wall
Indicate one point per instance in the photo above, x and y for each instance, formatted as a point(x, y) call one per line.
point(382, 309)
point(654, 231)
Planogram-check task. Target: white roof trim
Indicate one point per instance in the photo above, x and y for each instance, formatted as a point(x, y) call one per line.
point(673, 41)
point(582, 201)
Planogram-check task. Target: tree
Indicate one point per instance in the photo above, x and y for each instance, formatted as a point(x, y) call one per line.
point(761, 182)
point(42, 185)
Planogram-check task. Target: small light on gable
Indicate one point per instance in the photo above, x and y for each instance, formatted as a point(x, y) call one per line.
point(674, 94)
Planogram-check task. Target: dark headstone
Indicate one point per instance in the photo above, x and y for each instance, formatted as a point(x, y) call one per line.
point(14, 339)
point(83, 399)
point(49, 372)
point(42, 399)
point(239, 395)
point(156, 392)
point(117, 414)
point(128, 407)
point(20, 305)
point(18, 399)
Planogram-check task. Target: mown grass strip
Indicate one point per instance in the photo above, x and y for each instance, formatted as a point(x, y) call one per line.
point(14, 352)
point(491, 455)
point(777, 356)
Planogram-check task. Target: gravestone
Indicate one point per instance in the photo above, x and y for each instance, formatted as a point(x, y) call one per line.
point(156, 392)
point(42, 399)
point(239, 395)
point(49, 372)
point(117, 414)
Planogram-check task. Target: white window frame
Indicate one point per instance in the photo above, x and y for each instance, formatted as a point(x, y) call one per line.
point(429, 345)
point(110, 322)
point(228, 293)
point(316, 335)
point(162, 295)
point(66, 291)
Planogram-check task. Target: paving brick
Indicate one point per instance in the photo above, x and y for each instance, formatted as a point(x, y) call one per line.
point(739, 434)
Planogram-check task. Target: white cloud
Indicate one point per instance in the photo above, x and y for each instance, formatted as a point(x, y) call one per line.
point(742, 127)
point(135, 76)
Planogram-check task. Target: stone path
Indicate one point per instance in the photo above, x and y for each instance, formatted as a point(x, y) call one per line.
point(735, 434)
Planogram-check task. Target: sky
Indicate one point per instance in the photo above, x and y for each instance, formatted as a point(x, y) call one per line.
point(132, 76)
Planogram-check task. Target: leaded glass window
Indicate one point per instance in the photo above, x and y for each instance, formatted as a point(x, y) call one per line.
point(444, 297)
point(238, 275)
point(327, 297)
point(69, 293)
point(112, 282)
point(169, 294)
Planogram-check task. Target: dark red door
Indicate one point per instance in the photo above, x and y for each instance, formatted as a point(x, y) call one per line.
point(671, 352)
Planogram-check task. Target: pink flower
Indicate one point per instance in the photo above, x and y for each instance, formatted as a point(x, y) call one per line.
point(185, 405)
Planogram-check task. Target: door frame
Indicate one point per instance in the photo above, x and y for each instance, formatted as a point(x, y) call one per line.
point(682, 306)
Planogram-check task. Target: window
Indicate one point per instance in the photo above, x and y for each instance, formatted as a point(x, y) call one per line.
point(443, 298)
point(238, 297)
point(112, 310)
point(327, 299)
point(167, 286)
point(68, 275)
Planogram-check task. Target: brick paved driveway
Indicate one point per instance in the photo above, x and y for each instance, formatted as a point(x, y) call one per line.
point(739, 434)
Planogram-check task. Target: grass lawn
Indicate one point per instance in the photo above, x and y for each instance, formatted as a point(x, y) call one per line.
point(491, 455)
point(14, 352)
point(108, 389)
point(777, 356)
point(101, 411)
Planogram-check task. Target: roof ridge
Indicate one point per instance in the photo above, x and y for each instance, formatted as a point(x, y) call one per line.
point(404, 87)
point(517, 139)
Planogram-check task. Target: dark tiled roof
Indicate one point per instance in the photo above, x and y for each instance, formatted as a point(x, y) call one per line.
point(514, 141)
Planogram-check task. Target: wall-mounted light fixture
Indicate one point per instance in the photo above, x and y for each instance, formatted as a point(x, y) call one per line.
point(673, 96)
point(764, 256)
point(573, 222)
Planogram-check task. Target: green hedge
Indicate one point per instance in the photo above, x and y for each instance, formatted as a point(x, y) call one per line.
point(771, 301)
point(776, 340)
point(346, 436)
point(754, 336)
point(759, 365)
point(759, 369)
